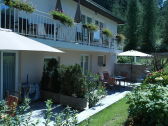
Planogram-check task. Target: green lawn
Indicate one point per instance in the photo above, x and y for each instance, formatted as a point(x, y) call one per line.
point(114, 115)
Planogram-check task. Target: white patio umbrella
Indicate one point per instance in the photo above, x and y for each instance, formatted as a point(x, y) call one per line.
point(134, 53)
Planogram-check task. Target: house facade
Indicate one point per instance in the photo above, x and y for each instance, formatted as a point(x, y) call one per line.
point(92, 51)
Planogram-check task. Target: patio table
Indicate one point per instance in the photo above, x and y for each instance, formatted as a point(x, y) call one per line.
point(120, 78)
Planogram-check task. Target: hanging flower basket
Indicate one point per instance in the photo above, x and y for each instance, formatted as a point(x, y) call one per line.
point(90, 27)
point(107, 32)
point(19, 5)
point(121, 38)
point(62, 18)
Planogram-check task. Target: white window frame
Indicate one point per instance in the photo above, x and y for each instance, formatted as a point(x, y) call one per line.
point(104, 60)
point(83, 69)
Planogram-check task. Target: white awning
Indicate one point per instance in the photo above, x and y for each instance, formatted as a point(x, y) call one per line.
point(15, 42)
point(134, 53)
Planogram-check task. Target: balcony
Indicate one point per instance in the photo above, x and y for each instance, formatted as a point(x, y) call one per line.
point(42, 25)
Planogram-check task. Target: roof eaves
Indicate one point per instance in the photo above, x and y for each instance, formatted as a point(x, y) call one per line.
point(98, 8)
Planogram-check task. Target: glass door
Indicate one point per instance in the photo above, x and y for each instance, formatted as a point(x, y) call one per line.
point(85, 63)
point(9, 68)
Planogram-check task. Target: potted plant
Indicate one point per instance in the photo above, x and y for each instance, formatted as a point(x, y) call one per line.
point(90, 27)
point(107, 32)
point(19, 5)
point(57, 15)
point(120, 38)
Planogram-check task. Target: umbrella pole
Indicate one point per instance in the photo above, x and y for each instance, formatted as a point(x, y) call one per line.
point(131, 70)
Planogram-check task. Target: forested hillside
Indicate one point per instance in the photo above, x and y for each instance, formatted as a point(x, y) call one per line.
point(146, 26)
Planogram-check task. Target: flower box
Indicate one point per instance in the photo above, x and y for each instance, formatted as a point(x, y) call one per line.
point(107, 32)
point(19, 5)
point(90, 27)
point(64, 19)
point(77, 103)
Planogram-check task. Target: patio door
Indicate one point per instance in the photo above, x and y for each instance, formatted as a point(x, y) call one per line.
point(8, 73)
point(85, 63)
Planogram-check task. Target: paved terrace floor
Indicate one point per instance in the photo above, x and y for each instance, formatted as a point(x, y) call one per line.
point(113, 96)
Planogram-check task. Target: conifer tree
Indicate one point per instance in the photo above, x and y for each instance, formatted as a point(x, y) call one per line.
point(133, 25)
point(149, 25)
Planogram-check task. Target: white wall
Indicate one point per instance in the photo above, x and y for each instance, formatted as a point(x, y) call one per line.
point(31, 63)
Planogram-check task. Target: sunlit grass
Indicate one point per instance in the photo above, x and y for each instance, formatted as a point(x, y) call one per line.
point(114, 115)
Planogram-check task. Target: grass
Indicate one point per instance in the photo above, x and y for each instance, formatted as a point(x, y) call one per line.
point(114, 115)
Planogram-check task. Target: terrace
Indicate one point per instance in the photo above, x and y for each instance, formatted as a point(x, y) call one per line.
point(41, 25)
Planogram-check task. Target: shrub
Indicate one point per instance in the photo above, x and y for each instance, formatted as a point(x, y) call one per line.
point(123, 59)
point(70, 81)
point(17, 117)
point(23, 117)
point(95, 90)
point(148, 105)
point(107, 32)
point(20, 5)
point(158, 77)
point(62, 18)
point(90, 27)
point(51, 77)
point(73, 81)
point(67, 117)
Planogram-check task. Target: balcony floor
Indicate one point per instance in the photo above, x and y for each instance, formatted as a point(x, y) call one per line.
point(73, 46)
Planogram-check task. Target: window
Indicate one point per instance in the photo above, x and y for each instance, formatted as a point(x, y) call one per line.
point(89, 20)
point(102, 60)
point(83, 19)
point(101, 25)
point(85, 63)
point(97, 23)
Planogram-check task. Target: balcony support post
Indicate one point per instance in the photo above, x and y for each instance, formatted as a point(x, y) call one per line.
point(54, 31)
point(89, 37)
point(0, 15)
point(109, 40)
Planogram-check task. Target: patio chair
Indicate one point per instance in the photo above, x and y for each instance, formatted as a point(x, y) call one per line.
point(109, 81)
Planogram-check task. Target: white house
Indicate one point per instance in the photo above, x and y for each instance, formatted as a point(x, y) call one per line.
point(92, 53)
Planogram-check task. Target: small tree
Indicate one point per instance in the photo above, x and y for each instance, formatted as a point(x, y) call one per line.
point(95, 89)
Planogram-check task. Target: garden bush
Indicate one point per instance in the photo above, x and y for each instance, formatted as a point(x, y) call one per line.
point(16, 117)
point(70, 81)
point(123, 59)
point(148, 106)
point(95, 90)
point(67, 117)
point(73, 81)
point(159, 77)
point(51, 78)
point(23, 116)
